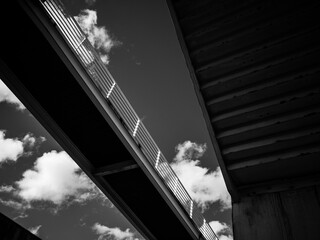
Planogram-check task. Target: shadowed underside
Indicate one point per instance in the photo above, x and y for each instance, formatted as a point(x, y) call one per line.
point(12, 231)
point(255, 67)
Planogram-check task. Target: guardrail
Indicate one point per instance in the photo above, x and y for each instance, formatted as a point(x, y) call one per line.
point(90, 60)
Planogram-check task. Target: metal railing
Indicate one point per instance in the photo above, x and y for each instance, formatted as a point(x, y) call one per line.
point(90, 60)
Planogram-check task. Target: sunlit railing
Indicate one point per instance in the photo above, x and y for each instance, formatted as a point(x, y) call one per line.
point(100, 75)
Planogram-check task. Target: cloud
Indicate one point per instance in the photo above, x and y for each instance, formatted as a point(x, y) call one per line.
point(226, 237)
point(115, 233)
point(90, 2)
point(7, 188)
point(9, 191)
point(218, 227)
point(55, 177)
point(204, 186)
point(12, 148)
point(29, 140)
point(189, 150)
point(99, 37)
point(21, 215)
point(35, 230)
point(223, 231)
point(14, 204)
point(7, 96)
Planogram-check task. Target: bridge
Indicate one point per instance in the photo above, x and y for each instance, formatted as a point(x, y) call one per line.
point(49, 64)
point(255, 68)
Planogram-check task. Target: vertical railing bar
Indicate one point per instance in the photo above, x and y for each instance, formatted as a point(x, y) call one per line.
point(145, 146)
point(67, 28)
point(75, 27)
point(132, 114)
point(191, 208)
point(62, 23)
point(147, 136)
point(150, 142)
point(121, 109)
point(110, 90)
point(118, 102)
point(118, 93)
point(98, 64)
point(62, 26)
point(182, 191)
point(86, 44)
point(100, 81)
point(105, 72)
point(146, 143)
point(70, 20)
point(101, 78)
point(85, 54)
point(136, 128)
point(158, 158)
point(128, 103)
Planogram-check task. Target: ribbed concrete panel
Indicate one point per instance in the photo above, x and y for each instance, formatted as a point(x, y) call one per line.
point(255, 66)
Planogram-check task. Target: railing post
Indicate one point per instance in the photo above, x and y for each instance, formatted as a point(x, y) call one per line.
point(157, 160)
point(176, 181)
point(136, 128)
point(110, 91)
point(191, 209)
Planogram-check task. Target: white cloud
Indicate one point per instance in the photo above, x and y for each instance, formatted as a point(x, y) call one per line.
point(10, 149)
point(226, 237)
point(204, 186)
point(20, 206)
point(7, 188)
point(99, 37)
point(13, 148)
point(105, 232)
point(7, 96)
point(29, 140)
point(35, 230)
point(21, 215)
point(55, 177)
point(10, 192)
point(218, 227)
point(223, 231)
point(189, 150)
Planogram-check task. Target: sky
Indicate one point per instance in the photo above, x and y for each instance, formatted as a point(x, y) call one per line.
point(137, 42)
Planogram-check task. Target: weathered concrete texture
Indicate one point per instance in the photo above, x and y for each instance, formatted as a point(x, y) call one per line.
point(10, 230)
point(293, 215)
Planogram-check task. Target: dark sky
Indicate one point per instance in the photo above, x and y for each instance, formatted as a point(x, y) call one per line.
point(150, 69)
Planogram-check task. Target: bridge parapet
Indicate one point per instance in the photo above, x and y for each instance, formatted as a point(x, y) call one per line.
point(103, 80)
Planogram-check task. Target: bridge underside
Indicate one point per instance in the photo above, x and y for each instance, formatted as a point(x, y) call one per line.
point(255, 67)
point(12, 231)
point(46, 82)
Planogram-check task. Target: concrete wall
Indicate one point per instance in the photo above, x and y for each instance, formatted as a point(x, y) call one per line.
point(286, 215)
